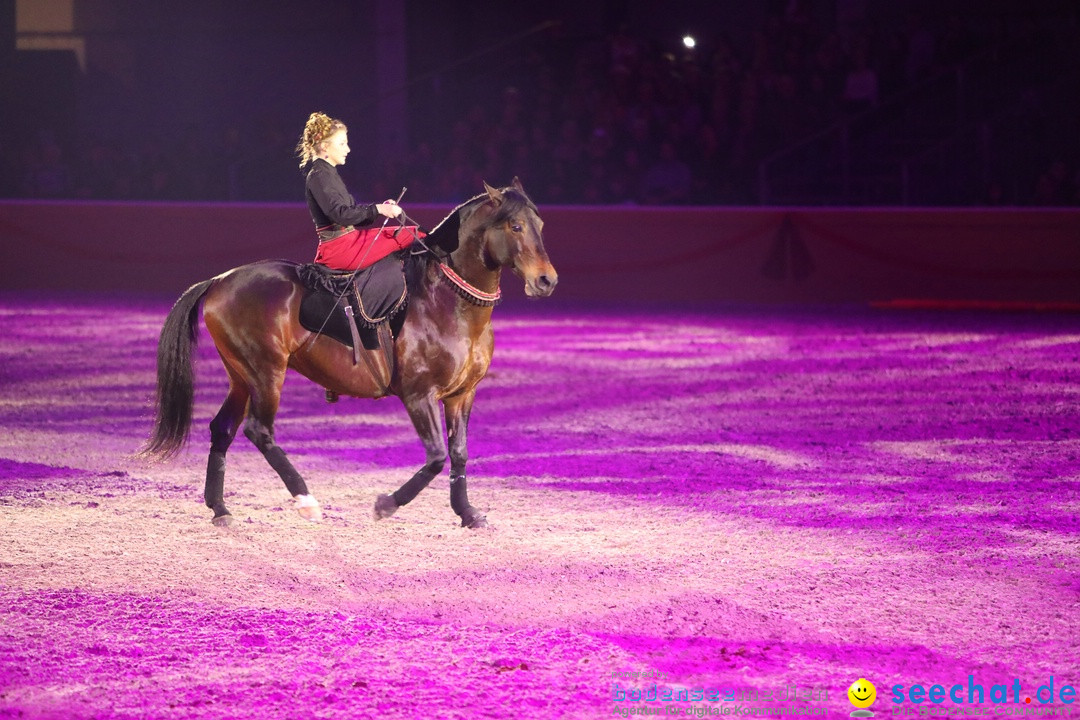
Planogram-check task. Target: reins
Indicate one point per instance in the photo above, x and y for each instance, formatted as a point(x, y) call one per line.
point(462, 287)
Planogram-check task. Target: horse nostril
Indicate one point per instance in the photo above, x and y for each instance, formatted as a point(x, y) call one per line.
point(544, 282)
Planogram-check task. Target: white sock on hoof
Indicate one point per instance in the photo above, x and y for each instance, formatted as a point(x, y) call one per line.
point(308, 507)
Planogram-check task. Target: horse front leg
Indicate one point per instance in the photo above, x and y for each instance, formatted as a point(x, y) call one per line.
point(424, 412)
point(457, 424)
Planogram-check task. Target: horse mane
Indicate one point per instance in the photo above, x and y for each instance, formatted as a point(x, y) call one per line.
point(445, 234)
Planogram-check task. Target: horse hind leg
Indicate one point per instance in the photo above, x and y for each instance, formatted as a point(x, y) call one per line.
point(259, 428)
point(222, 431)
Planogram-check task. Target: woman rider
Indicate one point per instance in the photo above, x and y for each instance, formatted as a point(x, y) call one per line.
point(338, 219)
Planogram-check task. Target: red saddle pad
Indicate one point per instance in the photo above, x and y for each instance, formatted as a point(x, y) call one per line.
point(365, 246)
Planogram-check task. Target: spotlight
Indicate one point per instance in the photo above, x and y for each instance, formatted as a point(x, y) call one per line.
point(689, 41)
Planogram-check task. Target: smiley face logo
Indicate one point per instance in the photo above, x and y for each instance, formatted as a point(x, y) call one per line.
point(862, 695)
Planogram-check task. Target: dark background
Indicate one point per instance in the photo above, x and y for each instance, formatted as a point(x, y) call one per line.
point(198, 100)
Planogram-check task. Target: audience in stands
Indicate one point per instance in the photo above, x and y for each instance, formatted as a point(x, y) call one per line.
point(624, 120)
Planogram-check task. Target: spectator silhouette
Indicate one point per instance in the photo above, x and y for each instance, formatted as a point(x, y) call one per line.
point(668, 180)
point(48, 176)
point(1052, 187)
point(861, 85)
point(581, 119)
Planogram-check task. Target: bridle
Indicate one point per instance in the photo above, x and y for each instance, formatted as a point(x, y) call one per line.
point(465, 290)
point(462, 287)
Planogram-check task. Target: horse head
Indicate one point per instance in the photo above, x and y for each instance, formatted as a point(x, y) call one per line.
point(513, 238)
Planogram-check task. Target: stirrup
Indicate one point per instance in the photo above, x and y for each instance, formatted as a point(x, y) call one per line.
point(332, 397)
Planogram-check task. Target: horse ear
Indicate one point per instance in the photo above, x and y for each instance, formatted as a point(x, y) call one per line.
point(494, 194)
point(516, 184)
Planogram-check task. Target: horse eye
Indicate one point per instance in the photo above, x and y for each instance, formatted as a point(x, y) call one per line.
point(516, 228)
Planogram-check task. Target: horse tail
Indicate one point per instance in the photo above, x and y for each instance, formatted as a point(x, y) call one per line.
point(175, 375)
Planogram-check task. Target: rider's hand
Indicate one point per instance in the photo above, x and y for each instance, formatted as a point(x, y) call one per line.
point(389, 209)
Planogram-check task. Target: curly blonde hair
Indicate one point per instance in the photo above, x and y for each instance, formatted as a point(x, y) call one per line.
point(319, 127)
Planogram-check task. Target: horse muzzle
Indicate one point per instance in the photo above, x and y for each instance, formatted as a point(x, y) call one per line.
point(542, 285)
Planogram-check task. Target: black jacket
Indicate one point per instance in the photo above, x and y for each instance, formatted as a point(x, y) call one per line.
point(328, 200)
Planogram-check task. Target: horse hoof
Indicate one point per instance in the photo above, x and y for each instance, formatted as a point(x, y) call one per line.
point(225, 520)
point(385, 506)
point(474, 521)
point(308, 507)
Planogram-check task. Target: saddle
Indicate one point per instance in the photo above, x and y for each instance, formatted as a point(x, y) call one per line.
point(363, 311)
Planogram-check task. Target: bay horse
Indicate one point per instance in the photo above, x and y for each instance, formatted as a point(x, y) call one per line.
point(441, 352)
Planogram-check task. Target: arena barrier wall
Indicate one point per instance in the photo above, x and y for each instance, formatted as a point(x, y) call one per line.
point(605, 255)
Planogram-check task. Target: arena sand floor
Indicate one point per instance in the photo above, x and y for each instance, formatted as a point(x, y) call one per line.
point(750, 508)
